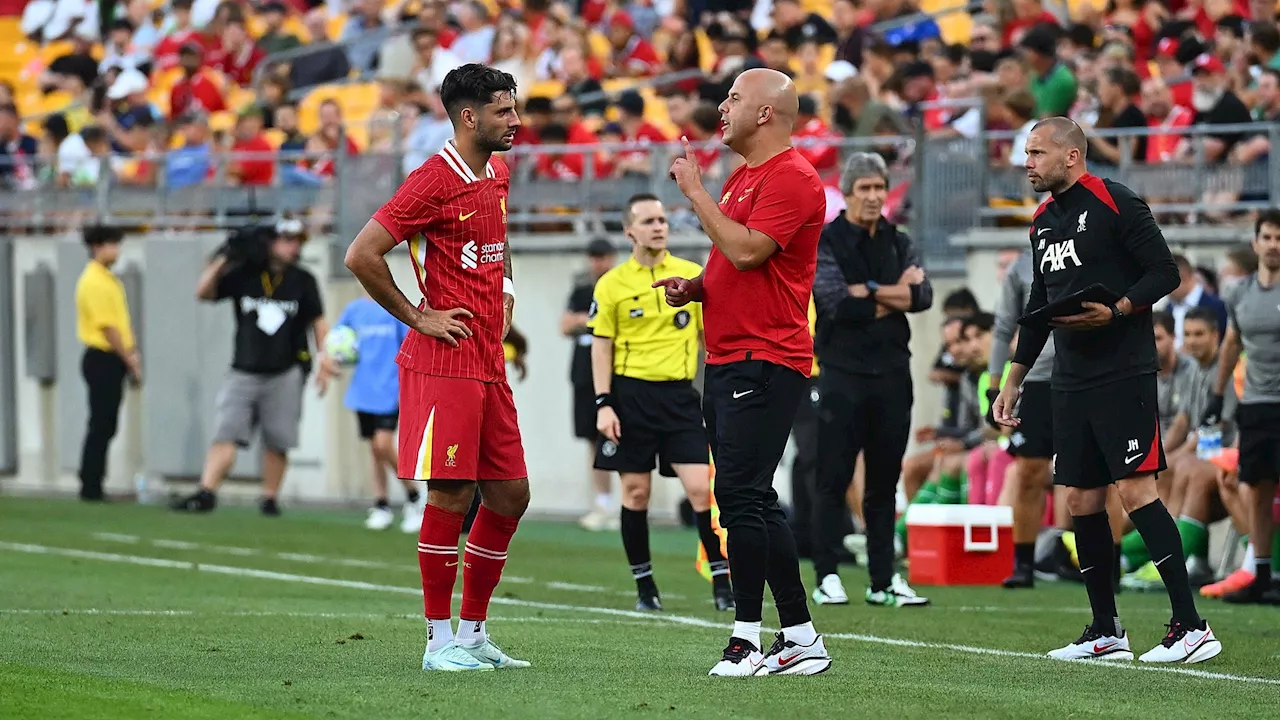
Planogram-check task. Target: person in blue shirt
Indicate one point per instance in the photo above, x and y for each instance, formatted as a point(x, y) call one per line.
point(374, 395)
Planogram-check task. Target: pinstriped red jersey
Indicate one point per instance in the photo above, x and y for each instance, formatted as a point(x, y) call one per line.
point(456, 227)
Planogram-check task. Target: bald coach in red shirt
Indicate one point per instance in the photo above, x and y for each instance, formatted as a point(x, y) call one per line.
point(755, 302)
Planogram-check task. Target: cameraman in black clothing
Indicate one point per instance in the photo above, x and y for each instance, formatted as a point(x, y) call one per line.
point(1105, 406)
point(275, 304)
point(868, 277)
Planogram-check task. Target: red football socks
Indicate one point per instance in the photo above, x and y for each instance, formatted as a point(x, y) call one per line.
point(438, 560)
point(486, 554)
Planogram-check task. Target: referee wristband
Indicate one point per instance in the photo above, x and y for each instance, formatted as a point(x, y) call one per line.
point(604, 400)
point(508, 287)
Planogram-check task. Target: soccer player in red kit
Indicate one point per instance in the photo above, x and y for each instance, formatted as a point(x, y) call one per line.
point(457, 417)
point(755, 299)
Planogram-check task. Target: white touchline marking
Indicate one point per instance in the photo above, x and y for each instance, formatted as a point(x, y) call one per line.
point(175, 544)
point(613, 612)
point(308, 615)
point(116, 537)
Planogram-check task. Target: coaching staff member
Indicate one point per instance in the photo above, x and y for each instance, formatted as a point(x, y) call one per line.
point(1105, 417)
point(1031, 443)
point(868, 277)
point(644, 355)
point(275, 306)
point(755, 299)
point(104, 328)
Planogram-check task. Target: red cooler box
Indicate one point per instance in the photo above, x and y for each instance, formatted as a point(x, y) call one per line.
point(959, 544)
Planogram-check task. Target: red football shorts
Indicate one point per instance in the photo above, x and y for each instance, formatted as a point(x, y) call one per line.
point(458, 429)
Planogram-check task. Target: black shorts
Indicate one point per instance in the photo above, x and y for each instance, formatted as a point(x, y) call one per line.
point(584, 412)
point(371, 423)
point(1033, 438)
point(1259, 442)
point(1106, 433)
point(660, 420)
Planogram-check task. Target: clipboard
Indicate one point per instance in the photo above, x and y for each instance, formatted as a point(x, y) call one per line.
point(1072, 304)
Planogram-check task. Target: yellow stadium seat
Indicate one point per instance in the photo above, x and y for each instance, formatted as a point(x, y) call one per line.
point(1074, 7)
point(358, 100)
point(274, 136)
point(599, 45)
point(359, 132)
point(54, 50)
point(159, 97)
point(336, 25)
point(239, 98)
point(706, 55)
point(955, 26)
point(225, 121)
point(821, 7)
point(547, 88)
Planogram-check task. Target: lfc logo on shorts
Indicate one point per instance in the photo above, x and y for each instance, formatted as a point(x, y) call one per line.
point(451, 456)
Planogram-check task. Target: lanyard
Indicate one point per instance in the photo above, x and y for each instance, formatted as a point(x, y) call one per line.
point(270, 284)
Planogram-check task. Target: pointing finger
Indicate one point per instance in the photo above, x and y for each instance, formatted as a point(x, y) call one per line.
point(688, 151)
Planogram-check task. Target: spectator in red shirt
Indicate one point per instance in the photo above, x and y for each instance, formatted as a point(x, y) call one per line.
point(252, 156)
point(1026, 15)
point(704, 127)
point(812, 138)
point(196, 90)
point(919, 89)
point(1162, 114)
point(238, 56)
point(1172, 56)
point(633, 56)
point(166, 53)
point(636, 132)
point(566, 114)
point(535, 116)
point(330, 139)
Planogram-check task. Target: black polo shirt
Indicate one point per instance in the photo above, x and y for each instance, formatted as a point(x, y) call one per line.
point(273, 313)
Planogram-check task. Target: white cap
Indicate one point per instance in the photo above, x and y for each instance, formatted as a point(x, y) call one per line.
point(840, 70)
point(126, 84)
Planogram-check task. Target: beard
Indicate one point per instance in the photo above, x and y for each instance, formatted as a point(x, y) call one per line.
point(492, 140)
point(1205, 100)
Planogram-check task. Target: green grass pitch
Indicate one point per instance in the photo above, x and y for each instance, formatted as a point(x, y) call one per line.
point(124, 611)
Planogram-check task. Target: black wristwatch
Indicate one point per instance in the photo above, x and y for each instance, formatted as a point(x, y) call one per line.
point(604, 400)
point(872, 287)
point(1116, 313)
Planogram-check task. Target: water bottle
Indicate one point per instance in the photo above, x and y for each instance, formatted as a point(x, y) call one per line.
point(1209, 442)
point(140, 487)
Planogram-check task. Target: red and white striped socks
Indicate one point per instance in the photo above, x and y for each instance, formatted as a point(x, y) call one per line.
point(438, 561)
point(485, 556)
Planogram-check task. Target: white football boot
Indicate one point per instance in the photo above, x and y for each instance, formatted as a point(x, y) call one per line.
point(1093, 645)
point(1183, 644)
point(380, 518)
point(830, 591)
point(741, 659)
point(789, 658)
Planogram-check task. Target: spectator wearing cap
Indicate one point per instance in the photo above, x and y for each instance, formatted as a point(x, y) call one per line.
point(1163, 116)
point(195, 90)
point(632, 56)
point(18, 152)
point(331, 139)
point(1172, 57)
point(795, 25)
point(127, 97)
point(1053, 83)
point(815, 140)
point(274, 39)
point(322, 66)
point(1214, 104)
point(252, 156)
point(1117, 86)
point(636, 132)
point(849, 33)
point(575, 75)
point(1027, 14)
point(191, 163)
point(364, 34)
point(475, 42)
point(238, 56)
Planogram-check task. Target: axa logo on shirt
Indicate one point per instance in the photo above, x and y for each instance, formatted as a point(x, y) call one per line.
point(473, 256)
point(1057, 254)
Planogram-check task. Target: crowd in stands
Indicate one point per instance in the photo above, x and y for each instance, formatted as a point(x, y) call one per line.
point(209, 78)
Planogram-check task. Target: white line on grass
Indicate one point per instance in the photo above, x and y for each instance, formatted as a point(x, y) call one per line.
point(308, 615)
point(613, 612)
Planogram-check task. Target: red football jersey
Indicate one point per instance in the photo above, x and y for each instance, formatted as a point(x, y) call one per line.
point(456, 226)
point(763, 313)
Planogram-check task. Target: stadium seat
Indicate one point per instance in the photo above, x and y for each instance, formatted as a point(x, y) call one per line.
point(547, 88)
point(274, 136)
point(224, 121)
point(955, 26)
point(358, 100)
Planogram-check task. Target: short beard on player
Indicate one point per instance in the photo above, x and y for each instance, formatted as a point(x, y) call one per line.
point(491, 139)
point(1053, 181)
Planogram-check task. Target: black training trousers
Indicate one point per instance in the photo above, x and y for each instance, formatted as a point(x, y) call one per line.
point(868, 414)
point(104, 373)
point(749, 407)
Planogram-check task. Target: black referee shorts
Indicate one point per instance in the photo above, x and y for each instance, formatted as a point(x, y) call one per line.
point(660, 421)
point(1106, 433)
point(1033, 438)
point(371, 423)
point(1259, 425)
point(584, 412)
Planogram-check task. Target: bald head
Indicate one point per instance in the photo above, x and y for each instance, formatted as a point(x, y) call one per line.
point(765, 87)
point(1063, 132)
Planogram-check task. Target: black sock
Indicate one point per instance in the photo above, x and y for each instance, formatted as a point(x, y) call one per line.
point(1262, 573)
point(635, 541)
point(382, 503)
point(411, 495)
point(1024, 555)
point(711, 543)
point(1095, 549)
point(1164, 543)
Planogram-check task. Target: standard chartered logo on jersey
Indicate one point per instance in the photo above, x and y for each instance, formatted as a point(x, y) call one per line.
point(474, 256)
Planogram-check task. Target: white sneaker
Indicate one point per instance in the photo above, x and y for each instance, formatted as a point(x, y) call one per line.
point(898, 594)
point(411, 522)
point(452, 658)
point(830, 591)
point(597, 520)
point(788, 658)
point(741, 659)
point(1093, 645)
point(380, 518)
point(487, 652)
point(1184, 645)
point(856, 545)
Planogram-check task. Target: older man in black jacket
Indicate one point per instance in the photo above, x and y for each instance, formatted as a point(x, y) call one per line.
point(868, 277)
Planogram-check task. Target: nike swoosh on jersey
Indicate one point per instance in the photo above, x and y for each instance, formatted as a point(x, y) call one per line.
point(737, 395)
point(463, 217)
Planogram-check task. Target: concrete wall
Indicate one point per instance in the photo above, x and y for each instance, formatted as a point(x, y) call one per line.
point(186, 347)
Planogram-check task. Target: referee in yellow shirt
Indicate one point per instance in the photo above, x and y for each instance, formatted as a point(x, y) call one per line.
point(644, 355)
point(102, 324)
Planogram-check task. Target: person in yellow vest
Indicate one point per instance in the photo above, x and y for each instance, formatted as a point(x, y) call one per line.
point(644, 355)
point(103, 326)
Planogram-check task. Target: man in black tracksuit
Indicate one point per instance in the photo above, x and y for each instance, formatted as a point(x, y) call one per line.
point(1105, 406)
point(868, 277)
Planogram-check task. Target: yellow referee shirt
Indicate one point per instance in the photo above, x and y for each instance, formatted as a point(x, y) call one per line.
point(651, 340)
point(100, 303)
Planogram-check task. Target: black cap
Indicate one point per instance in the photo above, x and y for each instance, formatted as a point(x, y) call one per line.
point(1040, 41)
point(274, 6)
point(630, 102)
point(917, 68)
point(601, 247)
